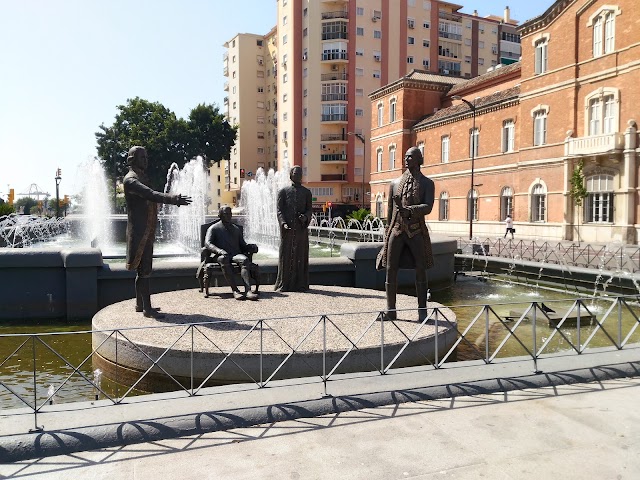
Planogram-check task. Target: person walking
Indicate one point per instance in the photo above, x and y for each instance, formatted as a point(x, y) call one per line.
point(509, 224)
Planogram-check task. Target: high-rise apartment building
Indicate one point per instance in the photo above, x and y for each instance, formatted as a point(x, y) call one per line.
point(328, 55)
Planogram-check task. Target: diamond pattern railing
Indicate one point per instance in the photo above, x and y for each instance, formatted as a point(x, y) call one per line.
point(481, 332)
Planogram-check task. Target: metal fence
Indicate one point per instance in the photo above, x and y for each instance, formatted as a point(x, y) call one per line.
point(476, 332)
point(612, 257)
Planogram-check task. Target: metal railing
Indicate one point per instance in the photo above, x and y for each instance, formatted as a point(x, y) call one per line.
point(611, 257)
point(476, 332)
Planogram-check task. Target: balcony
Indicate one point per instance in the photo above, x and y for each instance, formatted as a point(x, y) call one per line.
point(333, 137)
point(335, 117)
point(333, 177)
point(333, 157)
point(452, 17)
point(595, 145)
point(333, 56)
point(343, 35)
point(450, 36)
point(330, 97)
point(225, 71)
point(226, 86)
point(328, 77)
point(331, 15)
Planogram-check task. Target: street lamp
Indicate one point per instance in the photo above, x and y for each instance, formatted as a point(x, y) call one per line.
point(360, 137)
point(58, 178)
point(472, 107)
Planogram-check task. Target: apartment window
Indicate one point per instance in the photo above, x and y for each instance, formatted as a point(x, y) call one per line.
point(411, 3)
point(392, 158)
point(377, 14)
point(260, 119)
point(411, 23)
point(285, 78)
point(360, 31)
point(598, 207)
point(467, 59)
point(425, 63)
point(472, 205)
point(305, 32)
point(285, 115)
point(540, 127)
point(260, 105)
point(443, 210)
point(377, 34)
point(376, 74)
point(603, 24)
point(411, 40)
point(284, 39)
point(260, 89)
point(259, 74)
point(444, 149)
point(425, 42)
point(359, 112)
point(284, 3)
point(261, 135)
point(233, 75)
point(474, 138)
point(480, 61)
point(234, 105)
point(538, 203)
point(426, 25)
point(284, 20)
point(377, 55)
point(260, 150)
point(233, 59)
point(360, 52)
point(410, 59)
point(305, 12)
point(426, 4)
point(305, 72)
point(359, 72)
point(359, 92)
point(541, 56)
point(259, 43)
point(467, 42)
point(379, 159)
point(480, 45)
point(506, 202)
point(508, 133)
point(359, 11)
point(321, 191)
point(285, 97)
point(380, 114)
point(421, 148)
point(392, 110)
point(305, 92)
point(602, 112)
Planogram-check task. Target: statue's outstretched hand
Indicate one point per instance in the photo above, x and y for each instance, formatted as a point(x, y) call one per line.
point(183, 200)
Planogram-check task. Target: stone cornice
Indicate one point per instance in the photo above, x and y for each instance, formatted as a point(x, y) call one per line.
point(542, 21)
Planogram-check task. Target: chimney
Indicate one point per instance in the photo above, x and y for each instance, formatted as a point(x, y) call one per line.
point(507, 14)
point(475, 13)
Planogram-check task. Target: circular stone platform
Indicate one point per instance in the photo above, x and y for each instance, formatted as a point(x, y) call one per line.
point(336, 316)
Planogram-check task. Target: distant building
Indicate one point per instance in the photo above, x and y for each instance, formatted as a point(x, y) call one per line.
point(572, 98)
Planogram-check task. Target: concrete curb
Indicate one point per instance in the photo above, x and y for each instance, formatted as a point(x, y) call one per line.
point(62, 442)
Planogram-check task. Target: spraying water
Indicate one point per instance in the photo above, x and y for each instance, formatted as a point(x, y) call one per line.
point(91, 182)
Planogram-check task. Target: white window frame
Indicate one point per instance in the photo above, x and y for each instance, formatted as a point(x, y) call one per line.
point(599, 204)
point(474, 140)
point(539, 202)
point(443, 207)
point(444, 149)
point(392, 157)
point(603, 23)
point(380, 114)
point(379, 159)
point(508, 136)
point(540, 115)
point(392, 110)
point(602, 107)
point(541, 53)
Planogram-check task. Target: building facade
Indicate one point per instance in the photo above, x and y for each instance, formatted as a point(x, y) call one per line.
point(509, 141)
point(326, 57)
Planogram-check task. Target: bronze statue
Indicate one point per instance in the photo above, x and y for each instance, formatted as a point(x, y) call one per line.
point(294, 215)
point(142, 210)
point(406, 240)
point(225, 242)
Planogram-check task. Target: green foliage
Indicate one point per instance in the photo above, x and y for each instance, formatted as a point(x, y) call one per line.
point(6, 209)
point(27, 202)
point(578, 191)
point(359, 215)
point(168, 139)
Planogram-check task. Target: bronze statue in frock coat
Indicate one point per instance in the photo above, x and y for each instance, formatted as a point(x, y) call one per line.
point(294, 212)
point(406, 241)
point(142, 216)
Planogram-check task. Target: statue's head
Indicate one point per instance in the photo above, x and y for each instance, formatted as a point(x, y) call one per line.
point(137, 157)
point(295, 174)
point(415, 155)
point(225, 213)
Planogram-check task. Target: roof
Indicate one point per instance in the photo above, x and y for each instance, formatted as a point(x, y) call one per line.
point(459, 109)
point(421, 76)
point(476, 81)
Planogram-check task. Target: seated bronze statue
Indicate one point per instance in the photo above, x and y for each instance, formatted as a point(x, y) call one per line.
point(224, 247)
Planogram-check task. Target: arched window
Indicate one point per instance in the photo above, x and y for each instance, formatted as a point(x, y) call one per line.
point(443, 212)
point(392, 110)
point(598, 206)
point(380, 113)
point(538, 203)
point(379, 159)
point(392, 157)
point(472, 205)
point(379, 210)
point(506, 203)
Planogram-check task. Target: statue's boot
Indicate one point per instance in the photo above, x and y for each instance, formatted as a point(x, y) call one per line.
point(139, 306)
point(245, 274)
point(147, 309)
point(421, 293)
point(391, 289)
point(227, 272)
point(255, 274)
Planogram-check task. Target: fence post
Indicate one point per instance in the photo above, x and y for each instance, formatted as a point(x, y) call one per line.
point(261, 351)
point(324, 354)
point(382, 342)
point(35, 428)
point(535, 341)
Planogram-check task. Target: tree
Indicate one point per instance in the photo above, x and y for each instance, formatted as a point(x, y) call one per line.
point(167, 138)
point(6, 209)
point(27, 203)
point(578, 191)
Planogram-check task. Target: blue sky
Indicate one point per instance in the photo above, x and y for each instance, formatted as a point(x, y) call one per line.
point(66, 64)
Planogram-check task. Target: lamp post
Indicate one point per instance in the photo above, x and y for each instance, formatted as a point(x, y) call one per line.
point(360, 137)
point(58, 178)
point(472, 107)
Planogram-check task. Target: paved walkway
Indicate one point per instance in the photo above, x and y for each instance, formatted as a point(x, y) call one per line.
point(574, 431)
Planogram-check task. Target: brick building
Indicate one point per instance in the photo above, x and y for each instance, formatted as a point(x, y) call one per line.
point(521, 130)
